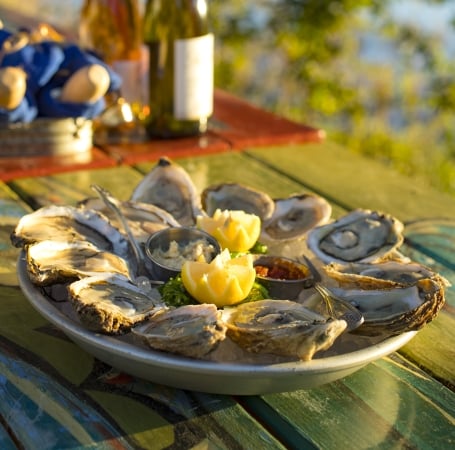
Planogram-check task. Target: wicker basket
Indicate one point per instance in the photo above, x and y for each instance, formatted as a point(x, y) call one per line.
point(45, 137)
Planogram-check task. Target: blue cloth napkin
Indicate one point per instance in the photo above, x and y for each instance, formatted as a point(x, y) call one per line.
point(25, 112)
point(48, 66)
point(40, 61)
point(4, 35)
point(74, 59)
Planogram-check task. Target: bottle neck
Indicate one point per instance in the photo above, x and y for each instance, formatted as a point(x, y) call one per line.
point(174, 19)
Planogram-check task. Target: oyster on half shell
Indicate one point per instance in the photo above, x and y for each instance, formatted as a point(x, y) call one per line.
point(70, 224)
point(294, 216)
point(385, 274)
point(360, 236)
point(281, 327)
point(169, 187)
point(191, 330)
point(58, 262)
point(394, 310)
point(234, 196)
point(110, 303)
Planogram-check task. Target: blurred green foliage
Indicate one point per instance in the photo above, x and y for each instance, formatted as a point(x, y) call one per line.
point(303, 59)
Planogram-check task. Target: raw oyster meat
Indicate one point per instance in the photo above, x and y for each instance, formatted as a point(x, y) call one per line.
point(294, 216)
point(169, 187)
point(281, 327)
point(385, 274)
point(192, 330)
point(69, 224)
point(110, 303)
point(234, 196)
point(57, 261)
point(395, 310)
point(360, 236)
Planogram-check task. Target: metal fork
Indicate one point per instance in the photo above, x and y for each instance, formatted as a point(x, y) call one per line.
point(112, 203)
point(337, 307)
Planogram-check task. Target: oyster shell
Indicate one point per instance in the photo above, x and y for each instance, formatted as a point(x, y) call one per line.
point(281, 327)
point(360, 236)
point(57, 261)
point(192, 330)
point(385, 274)
point(294, 216)
point(169, 187)
point(143, 219)
point(395, 310)
point(110, 303)
point(234, 196)
point(69, 224)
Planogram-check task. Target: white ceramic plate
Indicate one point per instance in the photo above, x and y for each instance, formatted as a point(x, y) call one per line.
point(206, 376)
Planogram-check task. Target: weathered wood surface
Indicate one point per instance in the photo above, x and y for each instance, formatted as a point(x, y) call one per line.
point(396, 402)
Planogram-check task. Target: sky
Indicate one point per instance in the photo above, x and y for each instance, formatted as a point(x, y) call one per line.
point(432, 18)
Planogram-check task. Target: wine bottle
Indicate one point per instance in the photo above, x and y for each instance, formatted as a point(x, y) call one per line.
point(181, 51)
point(112, 28)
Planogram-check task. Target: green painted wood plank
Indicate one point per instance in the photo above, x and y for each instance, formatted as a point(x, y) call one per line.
point(69, 188)
point(435, 238)
point(6, 442)
point(22, 325)
point(145, 427)
point(289, 434)
point(12, 208)
point(433, 349)
point(384, 405)
point(193, 418)
point(46, 414)
point(353, 181)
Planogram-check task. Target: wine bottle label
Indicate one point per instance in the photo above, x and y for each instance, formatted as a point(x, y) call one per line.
point(193, 77)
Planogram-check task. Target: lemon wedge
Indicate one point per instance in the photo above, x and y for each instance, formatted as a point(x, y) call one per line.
point(237, 231)
point(224, 281)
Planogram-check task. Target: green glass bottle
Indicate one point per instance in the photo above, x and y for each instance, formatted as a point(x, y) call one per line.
point(180, 67)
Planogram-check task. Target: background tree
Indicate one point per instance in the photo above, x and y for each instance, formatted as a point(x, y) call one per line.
point(306, 59)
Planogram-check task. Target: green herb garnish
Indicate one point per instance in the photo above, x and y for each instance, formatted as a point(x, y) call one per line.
point(258, 292)
point(173, 293)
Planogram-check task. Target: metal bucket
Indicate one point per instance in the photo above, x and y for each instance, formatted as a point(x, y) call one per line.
point(46, 137)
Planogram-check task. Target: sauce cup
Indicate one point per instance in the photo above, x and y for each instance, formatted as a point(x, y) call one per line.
point(284, 278)
point(177, 241)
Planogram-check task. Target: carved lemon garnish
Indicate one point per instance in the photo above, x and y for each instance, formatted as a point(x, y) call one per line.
point(237, 231)
point(224, 281)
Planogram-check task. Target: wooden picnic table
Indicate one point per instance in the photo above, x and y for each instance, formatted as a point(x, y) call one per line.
point(55, 395)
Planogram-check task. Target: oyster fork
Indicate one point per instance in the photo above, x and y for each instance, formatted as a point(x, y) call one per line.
point(336, 306)
point(142, 279)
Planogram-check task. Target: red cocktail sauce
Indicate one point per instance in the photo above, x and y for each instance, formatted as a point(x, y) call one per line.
point(282, 271)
